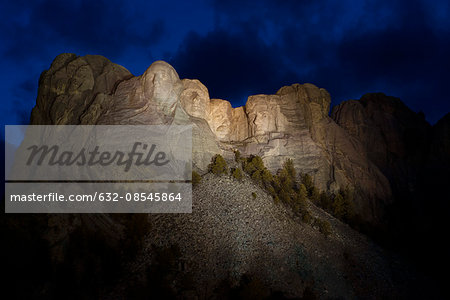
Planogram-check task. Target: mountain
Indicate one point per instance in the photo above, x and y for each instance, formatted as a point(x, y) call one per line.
point(238, 242)
point(414, 156)
point(293, 123)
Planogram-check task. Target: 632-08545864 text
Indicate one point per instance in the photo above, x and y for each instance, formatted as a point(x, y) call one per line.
point(108, 197)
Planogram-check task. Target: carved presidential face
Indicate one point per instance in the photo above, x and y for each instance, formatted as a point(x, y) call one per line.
point(199, 104)
point(162, 84)
point(195, 99)
point(262, 112)
point(220, 118)
point(262, 121)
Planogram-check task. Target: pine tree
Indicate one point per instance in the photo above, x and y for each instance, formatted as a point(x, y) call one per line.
point(299, 200)
point(307, 181)
point(339, 207)
point(267, 178)
point(315, 195)
point(303, 193)
point(256, 176)
point(325, 201)
point(288, 165)
point(237, 174)
point(285, 180)
point(285, 197)
point(253, 163)
point(218, 165)
point(237, 155)
point(196, 178)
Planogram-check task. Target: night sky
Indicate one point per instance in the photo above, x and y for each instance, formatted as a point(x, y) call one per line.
point(401, 48)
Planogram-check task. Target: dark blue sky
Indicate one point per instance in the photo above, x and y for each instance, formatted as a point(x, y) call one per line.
point(401, 48)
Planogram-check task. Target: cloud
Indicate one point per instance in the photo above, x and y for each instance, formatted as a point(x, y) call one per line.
point(32, 33)
point(102, 27)
point(347, 47)
point(231, 65)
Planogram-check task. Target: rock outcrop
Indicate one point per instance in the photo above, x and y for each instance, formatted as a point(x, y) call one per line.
point(394, 137)
point(293, 123)
point(108, 94)
point(414, 156)
point(71, 85)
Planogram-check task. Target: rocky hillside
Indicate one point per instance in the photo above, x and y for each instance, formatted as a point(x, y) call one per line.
point(236, 243)
point(232, 233)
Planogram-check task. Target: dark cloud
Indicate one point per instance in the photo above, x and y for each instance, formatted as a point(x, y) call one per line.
point(107, 27)
point(347, 47)
point(23, 100)
point(28, 86)
point(232, 66)
point(406, 59)
point(33, 32)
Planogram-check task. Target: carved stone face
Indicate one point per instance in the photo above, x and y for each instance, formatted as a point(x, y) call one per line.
point(220, 118)
point(162, 84)
point(200, 106)
point(263, 122)
point(262, 112)
point(195, 99)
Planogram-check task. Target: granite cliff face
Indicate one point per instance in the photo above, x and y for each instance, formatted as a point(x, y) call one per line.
point(395, 138)
point(293, 123)
point(92, 90)
point(414, 156)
